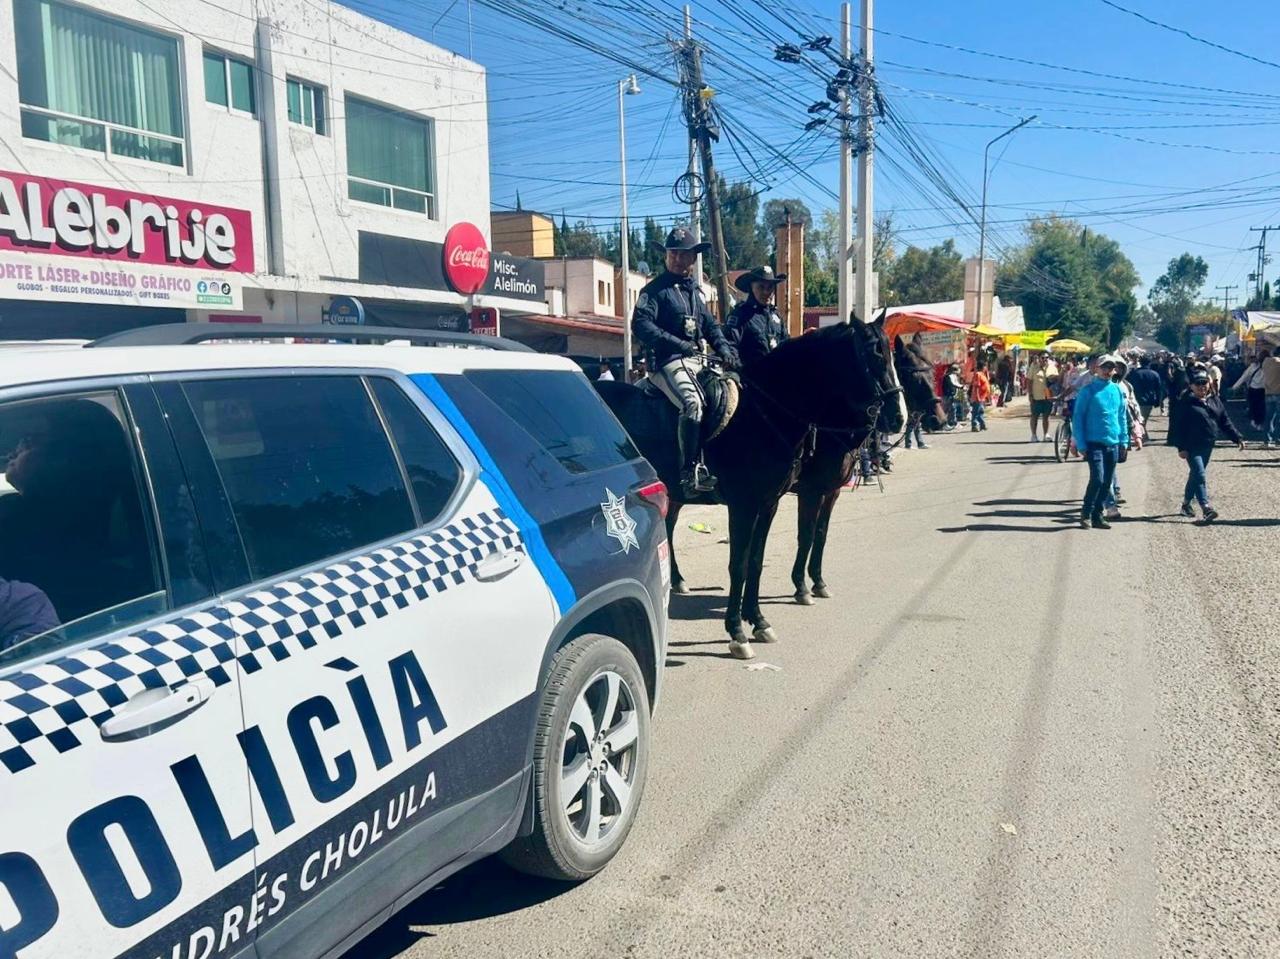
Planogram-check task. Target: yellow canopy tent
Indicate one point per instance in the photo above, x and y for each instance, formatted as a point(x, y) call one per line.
point(983, 330)
point(1069, 346)
point(1029, 339)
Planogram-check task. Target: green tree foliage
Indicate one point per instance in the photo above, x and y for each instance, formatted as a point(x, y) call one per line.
point(774, 214)
point(1068, 278)
point(577, 240)
point(822, 257)
point(655, 235)
point(746, 243)
point(934, 275)
point(1173, 297)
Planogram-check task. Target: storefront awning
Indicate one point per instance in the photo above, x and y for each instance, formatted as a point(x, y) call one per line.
point(906, 323)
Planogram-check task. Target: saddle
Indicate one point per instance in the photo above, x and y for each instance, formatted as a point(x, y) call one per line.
point(720, 395)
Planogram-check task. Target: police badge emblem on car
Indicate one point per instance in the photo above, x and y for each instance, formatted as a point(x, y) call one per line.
point(619, 525)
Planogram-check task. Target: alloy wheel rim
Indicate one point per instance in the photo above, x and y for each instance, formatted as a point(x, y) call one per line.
point(598, 760)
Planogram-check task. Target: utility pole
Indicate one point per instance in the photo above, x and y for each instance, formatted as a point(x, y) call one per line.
point(845, 276)
point(695, 214)
point(1226, 297)
point(701, 128)
point(1263, 259)
point(865, 292)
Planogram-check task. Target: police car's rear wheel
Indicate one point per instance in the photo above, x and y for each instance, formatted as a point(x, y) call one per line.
point(590, 759)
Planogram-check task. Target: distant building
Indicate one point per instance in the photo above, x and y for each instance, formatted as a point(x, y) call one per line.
point(523, 233)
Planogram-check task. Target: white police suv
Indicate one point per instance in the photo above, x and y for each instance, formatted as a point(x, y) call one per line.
point(289, 632)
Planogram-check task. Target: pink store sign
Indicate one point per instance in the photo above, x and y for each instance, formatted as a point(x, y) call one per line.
point(42, 215)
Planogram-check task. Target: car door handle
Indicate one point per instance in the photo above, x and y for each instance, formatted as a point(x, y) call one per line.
point(155, 709)
point(497, 565)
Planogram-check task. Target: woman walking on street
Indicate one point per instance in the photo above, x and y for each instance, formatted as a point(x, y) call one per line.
point(979, 395)
point(1255, 392)
point(1196, 419)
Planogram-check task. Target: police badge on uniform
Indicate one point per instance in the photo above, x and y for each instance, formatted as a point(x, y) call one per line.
point(773, 342)
point(690, 326)
point(618, 524)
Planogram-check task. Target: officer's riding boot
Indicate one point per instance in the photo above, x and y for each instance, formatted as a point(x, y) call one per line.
point(694, 477)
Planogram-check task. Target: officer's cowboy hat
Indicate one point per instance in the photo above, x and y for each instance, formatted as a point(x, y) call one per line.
point(682, 239)
point(761, 274)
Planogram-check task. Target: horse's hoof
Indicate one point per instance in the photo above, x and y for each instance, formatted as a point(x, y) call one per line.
point(822, 592)
point(804, 599)
point(741, 650)
point(679, 588)
point(765, 634)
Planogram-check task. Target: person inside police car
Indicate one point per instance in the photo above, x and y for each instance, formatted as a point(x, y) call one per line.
point(754, 327)
point(673, 322)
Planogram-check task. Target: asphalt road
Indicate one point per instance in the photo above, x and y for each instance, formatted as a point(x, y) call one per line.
point(1004, 736)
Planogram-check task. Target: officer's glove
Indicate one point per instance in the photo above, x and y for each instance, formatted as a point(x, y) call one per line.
point(689, 349)
point(731, 362)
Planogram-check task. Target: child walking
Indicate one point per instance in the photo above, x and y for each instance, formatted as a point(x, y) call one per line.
point(979, 395)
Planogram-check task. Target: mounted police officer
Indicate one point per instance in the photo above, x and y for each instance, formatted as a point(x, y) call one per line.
point(672, 320)
point(754, 326)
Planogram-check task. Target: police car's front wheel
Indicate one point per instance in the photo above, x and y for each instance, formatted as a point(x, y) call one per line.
point(590, 758)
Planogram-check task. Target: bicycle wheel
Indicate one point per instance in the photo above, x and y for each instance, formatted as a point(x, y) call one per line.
point(1061, 442)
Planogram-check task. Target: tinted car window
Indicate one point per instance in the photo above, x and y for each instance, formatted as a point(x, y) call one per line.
point(76, 553)
point(563, 413)
point(306, 465)
point(433, 472)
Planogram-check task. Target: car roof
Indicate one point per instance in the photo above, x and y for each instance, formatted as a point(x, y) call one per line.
point(55, 363)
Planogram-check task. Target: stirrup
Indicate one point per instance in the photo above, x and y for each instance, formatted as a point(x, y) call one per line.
point(698, 480)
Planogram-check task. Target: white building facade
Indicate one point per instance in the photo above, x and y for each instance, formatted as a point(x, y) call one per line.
point(240, 162)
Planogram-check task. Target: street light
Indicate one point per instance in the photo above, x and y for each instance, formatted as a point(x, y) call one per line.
point(627, 87)
point(982, 232)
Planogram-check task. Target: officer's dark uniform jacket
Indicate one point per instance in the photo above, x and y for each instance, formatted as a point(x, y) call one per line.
point(755, 329)
point(671, 314)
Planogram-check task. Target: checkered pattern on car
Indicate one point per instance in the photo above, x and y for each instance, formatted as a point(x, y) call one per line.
point(49, 709)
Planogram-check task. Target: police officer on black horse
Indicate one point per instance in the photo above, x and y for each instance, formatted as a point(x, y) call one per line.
point(672, 319)
point(754, 326)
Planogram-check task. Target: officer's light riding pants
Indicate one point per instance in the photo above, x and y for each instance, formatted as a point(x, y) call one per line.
point(678, 382)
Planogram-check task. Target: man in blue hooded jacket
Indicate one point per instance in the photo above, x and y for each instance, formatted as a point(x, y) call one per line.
point(1100, 426)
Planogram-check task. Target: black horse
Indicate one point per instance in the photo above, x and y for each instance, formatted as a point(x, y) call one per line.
point(839, 377)
point(830, 465)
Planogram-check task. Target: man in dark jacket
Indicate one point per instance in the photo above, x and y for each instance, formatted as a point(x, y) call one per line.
point(1148, 387)
point(754, 326)
point(672, 320)
point(1196, 419)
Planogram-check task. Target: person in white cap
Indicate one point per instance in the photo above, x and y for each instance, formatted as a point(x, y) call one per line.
point(1099, 426)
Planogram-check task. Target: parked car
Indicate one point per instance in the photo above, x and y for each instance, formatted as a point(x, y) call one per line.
point(288, 633)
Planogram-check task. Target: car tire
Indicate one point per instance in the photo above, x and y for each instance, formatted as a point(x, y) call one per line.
point(589, 768)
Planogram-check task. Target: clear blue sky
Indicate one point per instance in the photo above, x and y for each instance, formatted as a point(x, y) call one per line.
point(1185, 156)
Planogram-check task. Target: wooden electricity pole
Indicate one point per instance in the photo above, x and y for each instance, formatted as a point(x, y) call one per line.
point(702, 130)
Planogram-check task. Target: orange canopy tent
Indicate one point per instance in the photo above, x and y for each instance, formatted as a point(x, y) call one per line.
point(906, 323)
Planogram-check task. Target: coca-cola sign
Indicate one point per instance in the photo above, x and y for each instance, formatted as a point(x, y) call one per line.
point(466, 258)
point(43, 215)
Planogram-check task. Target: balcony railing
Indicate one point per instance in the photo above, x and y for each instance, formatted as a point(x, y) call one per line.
point(388, 194)
point(112, 139)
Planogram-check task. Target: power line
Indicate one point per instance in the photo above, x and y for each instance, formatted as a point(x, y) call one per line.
point(1189, 35)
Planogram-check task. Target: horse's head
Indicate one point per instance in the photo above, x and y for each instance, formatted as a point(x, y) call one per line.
point(883, 373)
point(837, 374)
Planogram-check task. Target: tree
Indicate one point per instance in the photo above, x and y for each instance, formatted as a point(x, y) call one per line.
point(745, 242)
point(1068, 278)
point(822, 243)
point(655, 237)
point(1173, 297)
point(774, 214)
point(934, 275)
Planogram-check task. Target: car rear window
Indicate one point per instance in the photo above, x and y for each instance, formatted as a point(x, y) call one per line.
point(562, 413)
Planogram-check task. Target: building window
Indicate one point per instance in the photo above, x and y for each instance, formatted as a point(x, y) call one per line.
point(600, 292)
point(92, 82)
point(306, 104)
point(228, 82)
point(390, 158)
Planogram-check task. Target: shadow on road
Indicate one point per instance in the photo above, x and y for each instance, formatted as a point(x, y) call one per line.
point(1021, 460)
point(481, 891)
point(1030, 514)
point(692, 608)
point(999, 528)
point(1029, 502)
point(1239, 464)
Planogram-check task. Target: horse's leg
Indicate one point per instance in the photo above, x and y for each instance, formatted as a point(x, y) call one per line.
point(820, 545)
point(742, 522)
point(763, 631)
point(677, 581)
point(807, 506)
